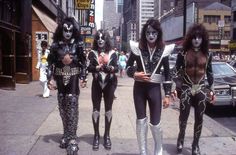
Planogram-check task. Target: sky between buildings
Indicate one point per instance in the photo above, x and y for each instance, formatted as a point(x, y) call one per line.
point(98, 12)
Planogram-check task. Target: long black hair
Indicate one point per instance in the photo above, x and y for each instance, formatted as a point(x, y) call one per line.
point(155, 24)
point(58, 35)
point(106, 37)
point(193, 31)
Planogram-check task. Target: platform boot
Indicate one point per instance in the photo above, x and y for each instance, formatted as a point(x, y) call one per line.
point(141, 132)
point(62, 110)
point(107, 140)
point(72, 114)
point(96, 138)
point(157, 136)
point(180, 139)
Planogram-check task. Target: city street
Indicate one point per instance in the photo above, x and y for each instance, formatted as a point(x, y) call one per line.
point(30, 125)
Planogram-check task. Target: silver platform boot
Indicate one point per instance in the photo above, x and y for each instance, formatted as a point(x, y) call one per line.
point(141, 131)
point(157, 136)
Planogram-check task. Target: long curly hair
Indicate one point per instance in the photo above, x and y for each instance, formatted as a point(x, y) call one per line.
point(155, 24)
point(58, 35)
point(106, 37)
point(193, 31)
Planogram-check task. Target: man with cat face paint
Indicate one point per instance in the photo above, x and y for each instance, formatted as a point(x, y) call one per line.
point(194, 63)
point(103, 66)
point(147, 85)
point(67, 65)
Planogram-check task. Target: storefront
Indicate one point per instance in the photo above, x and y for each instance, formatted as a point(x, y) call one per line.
point(43, 28)
point(15, 43)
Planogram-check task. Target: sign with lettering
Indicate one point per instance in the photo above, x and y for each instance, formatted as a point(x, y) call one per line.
point(83, 4)
point(91, 22)
point(85, 30)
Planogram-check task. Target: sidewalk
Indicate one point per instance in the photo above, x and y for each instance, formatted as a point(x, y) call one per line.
point(31, 125)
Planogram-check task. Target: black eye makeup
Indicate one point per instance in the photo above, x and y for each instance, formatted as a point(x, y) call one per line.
point(66, 30)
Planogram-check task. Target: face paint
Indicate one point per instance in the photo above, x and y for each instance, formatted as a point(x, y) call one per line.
point(197, 41)
point(101, 41)
point(67, 30)
point(151, 34)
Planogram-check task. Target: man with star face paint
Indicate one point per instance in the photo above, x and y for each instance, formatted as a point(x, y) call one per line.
point(67, 65)
point(103, 66)
point(147, 88)
point(194, 63)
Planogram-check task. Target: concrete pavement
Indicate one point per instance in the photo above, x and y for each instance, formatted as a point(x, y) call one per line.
point(30, 125)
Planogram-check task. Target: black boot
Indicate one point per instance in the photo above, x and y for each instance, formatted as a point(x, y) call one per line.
point(64, 143)
point(107, 140)
point(180, 144)
point(196, 150)
point(72, 123)
point(180, 140)
point(62, 109)
point(96, 138)
point(72, 147)
point(196, 136)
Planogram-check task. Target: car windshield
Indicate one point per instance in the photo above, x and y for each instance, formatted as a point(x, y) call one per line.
point(222, 70)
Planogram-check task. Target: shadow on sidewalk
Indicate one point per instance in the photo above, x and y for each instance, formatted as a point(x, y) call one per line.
point(171, 149)
point(53, 137)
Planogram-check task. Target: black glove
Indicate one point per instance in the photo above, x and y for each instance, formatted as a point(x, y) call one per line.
point(107, 69)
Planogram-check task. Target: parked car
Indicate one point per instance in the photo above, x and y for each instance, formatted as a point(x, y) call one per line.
point(224, 83)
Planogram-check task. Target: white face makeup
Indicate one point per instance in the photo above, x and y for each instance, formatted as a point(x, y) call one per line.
point(151, 34)
point(67, 31)
point(197, 41)
point(101, 41)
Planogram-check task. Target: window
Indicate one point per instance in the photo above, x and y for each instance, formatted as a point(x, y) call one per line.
point(227, 19)
point(211, 19)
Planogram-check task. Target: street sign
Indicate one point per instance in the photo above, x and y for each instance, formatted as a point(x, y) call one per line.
point(232, 45)
point(83, 4)
point(86, 30)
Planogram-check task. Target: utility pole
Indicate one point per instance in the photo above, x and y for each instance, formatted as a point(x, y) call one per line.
point(184, 16)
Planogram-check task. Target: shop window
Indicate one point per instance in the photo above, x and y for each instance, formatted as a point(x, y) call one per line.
point(10, 11)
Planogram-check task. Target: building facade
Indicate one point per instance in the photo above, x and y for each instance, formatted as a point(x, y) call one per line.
point(215, 16)
point(217, 19)
point(15, 42)
point(23, 25)
point(130, 24)
point(145, 10)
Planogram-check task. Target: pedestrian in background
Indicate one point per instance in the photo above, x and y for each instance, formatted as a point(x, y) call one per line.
point(147, 88)
point(122, 63)
point(194, 63)
point(42, 66)
point(103, 66)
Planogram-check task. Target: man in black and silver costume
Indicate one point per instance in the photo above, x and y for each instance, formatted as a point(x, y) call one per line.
point(194, 63)
point(67, 65)
point(103, 66)
point(150, 57)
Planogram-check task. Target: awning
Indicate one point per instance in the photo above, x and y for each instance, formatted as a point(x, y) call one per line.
point(50, 24)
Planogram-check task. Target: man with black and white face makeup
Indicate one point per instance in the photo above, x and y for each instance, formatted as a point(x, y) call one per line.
point(67, 66)
point(151, 35)
point(103, 66)
point(67, 30)
point(147, 89)
point(196, 42)
point(194, 63)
